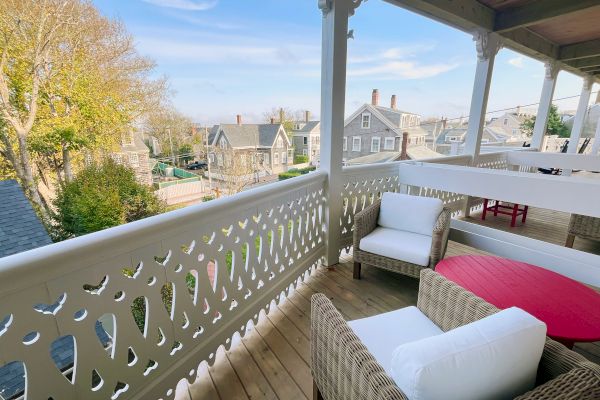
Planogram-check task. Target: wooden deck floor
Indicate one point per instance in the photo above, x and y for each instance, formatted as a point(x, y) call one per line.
point(273, 360)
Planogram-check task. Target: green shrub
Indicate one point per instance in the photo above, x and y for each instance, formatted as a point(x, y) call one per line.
point(292, 173)
point(102, 196)
point(208, 198)
point(300, 159)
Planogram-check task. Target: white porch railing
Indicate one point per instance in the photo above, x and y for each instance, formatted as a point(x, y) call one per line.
point(168, 290)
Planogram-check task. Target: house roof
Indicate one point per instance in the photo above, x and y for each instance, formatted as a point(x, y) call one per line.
point(393, 115)
point(246, 135)
point(20, 228)
point(421, 153)
point(384, 114)
point(138, 144)
point(414, 153)
point(307, 127)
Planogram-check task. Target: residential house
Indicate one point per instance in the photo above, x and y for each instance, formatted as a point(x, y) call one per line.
point(374, 128)
point(507, 128)
point(306, 138)
point(134, 153)
point(262, 148)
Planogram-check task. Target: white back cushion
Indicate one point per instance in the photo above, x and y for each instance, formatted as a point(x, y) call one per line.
point(409, 213)
point(494, 358)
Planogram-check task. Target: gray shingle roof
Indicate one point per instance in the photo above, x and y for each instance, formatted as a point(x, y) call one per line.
point(394, 116)
point(246, 135)
point(307, 127)
point(20, 228)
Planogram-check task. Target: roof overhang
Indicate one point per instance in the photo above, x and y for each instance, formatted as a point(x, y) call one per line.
point(561, 30)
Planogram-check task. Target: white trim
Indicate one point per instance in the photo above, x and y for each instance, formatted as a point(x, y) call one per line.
point(356, 139)
point(386, 141)
point(368, 120)
point(134, 160)
point(345, 146)
point(378, 147)
point(275, 157)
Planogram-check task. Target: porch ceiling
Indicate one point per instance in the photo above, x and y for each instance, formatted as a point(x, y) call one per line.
point(566, 31)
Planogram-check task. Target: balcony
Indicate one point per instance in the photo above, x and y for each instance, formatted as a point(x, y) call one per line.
point(212, 301)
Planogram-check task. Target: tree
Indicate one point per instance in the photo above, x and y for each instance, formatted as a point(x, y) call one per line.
point(170, 127)
point(185, 152)
point(99, 197)
point(238, 169)
point(70, 80)
point(555, 124)
point(285, 116)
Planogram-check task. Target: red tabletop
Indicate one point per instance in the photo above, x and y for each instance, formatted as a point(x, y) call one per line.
point(570, 309)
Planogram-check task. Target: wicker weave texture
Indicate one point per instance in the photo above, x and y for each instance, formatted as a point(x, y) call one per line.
point(584, 227)
point(343, 368)
point(366, 221)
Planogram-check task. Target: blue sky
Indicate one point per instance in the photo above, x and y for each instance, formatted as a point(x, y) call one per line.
point(228, 57)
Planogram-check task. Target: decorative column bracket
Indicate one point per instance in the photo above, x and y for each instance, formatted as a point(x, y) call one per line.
point(487, 44)
point(552, 69)
point(326, 6)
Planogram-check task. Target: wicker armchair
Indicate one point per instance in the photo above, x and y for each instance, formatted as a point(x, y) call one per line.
point(366, 221)
point(344, 369)
point(584, 227)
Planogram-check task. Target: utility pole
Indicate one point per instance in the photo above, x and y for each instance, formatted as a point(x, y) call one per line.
point(171, 142)
point(207, 159)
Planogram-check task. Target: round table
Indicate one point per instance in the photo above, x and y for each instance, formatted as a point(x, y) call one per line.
point(570, 309)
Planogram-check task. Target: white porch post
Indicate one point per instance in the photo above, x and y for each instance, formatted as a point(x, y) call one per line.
point(487, 44)
point(596, 145)
point(541, 120)
point(578, 121)
point(333, 96)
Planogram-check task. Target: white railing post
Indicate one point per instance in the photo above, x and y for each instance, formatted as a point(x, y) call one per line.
point(541, 120)
point(578, 121)
point(487, 45)
point(333, 98)
point(596, 145)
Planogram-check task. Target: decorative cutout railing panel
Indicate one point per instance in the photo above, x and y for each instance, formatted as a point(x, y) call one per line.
point(128, 312)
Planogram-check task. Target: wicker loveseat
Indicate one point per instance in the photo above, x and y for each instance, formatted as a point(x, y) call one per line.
point(344, 369)
point(365, 222)
point(584, 227)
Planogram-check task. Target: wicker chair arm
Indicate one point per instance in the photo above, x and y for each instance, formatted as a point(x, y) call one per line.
point(449, 305)
point(342, 367)
point(365, 222)
point(584, 226)
point(557, 360)
point(440, 237)
point(579, 383)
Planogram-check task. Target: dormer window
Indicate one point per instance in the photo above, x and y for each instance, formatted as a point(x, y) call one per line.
point(366, 121)
point(127, 139)
point(222, 143)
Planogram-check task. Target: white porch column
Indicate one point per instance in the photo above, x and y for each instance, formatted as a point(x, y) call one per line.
point(596, 145)
point(487, 44)
point(578, 121)
point(541, 120)
point(333, 96)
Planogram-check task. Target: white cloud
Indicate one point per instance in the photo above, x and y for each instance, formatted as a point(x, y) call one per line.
point(516, 62)
point(403, 70)
point(190, 5)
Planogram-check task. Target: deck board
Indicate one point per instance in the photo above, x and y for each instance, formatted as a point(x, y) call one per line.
point(273, 360)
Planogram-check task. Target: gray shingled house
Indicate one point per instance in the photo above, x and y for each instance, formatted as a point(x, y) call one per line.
point(135, 154)
point(265, 147)
point(306, 138)
point(374, 128)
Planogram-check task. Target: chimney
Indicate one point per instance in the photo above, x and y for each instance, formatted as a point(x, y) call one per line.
point(307, 116)
point(404, 154)
point(393, 102)
point(272, 120)
point(444, 122)
point(375, 97)
point(281, 116)
point(239, 119)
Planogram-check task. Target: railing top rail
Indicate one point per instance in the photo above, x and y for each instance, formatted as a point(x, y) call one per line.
point(26, 269)
point(370, 167)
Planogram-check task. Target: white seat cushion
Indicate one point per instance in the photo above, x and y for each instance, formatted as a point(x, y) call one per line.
point(495, 358)
point(400, 245)
point(409, 213)
point(382, 333)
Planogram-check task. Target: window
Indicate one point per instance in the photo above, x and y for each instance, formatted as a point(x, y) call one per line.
point(284, 157)
point(345, 144)
point(127, 139)
point(279, 142)
point(356, 143)
point(134, 160)
point(304, 152)
point(388, 144)
point(220, 160)
point(222, 143)
point(275, 158)
point(267, 159)
point(290, 155)
point(305, 140)
point(117, 158)
point(515, 131)
point(375, 144)
point(505, 121)
point(211, 157)
point(366, 121)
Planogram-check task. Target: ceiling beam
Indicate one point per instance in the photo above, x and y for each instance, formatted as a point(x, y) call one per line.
point(585, 62)
point(575, 51)
point(536, 12)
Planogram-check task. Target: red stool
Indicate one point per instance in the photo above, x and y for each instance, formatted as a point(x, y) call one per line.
point(513, 210)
